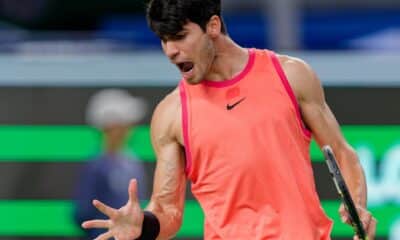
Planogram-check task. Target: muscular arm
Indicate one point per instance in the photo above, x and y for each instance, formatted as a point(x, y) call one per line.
point(168, 196)
point(319, 118)
point(321, 121)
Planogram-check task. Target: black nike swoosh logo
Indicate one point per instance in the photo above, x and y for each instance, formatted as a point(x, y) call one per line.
point(230, 107)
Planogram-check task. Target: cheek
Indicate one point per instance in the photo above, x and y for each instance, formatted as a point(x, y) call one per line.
point(203, 53)
point(209, 52)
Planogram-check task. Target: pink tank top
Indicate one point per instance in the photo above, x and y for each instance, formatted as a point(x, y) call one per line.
point(247, 156)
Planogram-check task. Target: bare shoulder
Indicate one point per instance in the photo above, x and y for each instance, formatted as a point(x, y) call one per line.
point(170, 102)
point(300, 75)
point(166, 120)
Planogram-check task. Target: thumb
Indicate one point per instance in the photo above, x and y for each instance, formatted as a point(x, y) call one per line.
point(132, 191)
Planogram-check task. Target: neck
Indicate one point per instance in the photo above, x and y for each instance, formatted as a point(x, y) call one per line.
point(113, 147)
point(230, 59)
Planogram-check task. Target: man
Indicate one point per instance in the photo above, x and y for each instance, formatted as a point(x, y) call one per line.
point(238, 127)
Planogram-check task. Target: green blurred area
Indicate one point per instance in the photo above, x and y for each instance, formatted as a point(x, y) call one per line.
point(79, 143)
point(54, 218)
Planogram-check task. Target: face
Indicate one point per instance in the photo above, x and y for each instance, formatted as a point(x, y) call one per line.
point(192, 51)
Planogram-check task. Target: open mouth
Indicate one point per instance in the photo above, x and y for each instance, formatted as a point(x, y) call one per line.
point(185, 67)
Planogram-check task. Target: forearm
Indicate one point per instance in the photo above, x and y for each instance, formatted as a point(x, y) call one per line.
point(169, 216)
point(167, 202)
point(353, 174)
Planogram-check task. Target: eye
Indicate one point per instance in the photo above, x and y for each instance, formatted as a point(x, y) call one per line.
point(177, 37)
point(180, 36)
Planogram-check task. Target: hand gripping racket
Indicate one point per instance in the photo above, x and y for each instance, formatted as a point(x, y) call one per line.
point(343, 191)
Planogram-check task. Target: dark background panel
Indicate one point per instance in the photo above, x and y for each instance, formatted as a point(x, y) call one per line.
point(65, 14)
point(51, 180)
point(323, 181)
point(44, 180)
point(57, 180)
point(48, 105)
point(66, 105)
point(354, 105)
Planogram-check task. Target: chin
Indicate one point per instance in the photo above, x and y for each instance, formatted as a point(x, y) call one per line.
point(193, 81)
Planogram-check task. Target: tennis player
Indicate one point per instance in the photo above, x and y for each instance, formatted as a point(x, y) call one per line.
point(238, 127)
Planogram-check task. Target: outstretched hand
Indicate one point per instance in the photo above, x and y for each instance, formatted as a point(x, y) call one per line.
point(368, 221)
point(124, 223)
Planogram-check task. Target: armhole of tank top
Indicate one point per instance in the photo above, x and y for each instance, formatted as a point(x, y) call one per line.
point(185, 127)
point(279, 70)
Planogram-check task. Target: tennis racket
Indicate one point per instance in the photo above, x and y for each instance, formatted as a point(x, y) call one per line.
point(343, 191)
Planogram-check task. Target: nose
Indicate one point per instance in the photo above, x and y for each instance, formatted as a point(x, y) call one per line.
point(170, 49)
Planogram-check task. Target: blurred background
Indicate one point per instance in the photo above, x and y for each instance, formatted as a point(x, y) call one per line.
point(56, 54)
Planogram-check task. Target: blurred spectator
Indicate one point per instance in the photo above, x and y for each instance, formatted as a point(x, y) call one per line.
point(106, 178)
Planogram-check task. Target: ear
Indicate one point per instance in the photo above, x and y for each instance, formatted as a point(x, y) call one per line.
point(214, 26)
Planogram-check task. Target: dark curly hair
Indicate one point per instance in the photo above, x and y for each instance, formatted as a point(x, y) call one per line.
point(167, 17)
